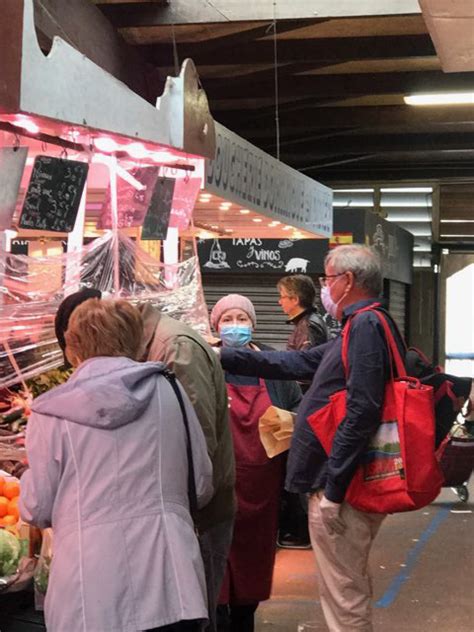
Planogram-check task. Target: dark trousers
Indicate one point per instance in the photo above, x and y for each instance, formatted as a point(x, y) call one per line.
point(293, 521)
point(237, 618)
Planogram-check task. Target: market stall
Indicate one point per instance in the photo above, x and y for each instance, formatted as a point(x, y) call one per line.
point(254, 265)
point(101, 189)
point(95, 186)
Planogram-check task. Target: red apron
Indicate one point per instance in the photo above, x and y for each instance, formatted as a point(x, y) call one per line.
point(259, 481)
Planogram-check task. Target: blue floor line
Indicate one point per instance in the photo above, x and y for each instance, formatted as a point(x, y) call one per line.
point(392, 591)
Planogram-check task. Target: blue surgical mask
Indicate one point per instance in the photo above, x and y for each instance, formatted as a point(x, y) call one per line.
point(235, 335)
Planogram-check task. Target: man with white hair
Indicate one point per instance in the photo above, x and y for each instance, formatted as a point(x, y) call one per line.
point(341, 535)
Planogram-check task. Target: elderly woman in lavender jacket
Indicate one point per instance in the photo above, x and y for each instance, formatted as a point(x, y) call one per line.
point(108, 471)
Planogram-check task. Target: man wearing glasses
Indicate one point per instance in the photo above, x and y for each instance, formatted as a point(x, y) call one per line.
point(341, 536)
point(297, 298)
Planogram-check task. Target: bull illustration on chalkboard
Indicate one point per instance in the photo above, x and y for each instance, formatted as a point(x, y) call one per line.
point(297, 264)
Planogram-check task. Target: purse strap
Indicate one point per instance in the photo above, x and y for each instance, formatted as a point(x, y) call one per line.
point(394, 353)
point(192, 495)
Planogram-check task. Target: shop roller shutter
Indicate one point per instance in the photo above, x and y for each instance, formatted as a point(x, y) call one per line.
point(397, 303)
point(261, 290)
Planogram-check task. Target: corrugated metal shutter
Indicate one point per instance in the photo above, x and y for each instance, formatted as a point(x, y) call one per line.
point(261, 290)
point(397, 303)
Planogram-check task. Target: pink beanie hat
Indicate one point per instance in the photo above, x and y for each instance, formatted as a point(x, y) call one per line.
point(232, 301)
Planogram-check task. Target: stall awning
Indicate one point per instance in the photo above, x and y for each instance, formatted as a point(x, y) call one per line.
point(67, 95)
point(252, 179)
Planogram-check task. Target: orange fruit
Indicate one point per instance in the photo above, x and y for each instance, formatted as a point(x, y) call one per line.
point(13, 509)
point(9, 521)
point(2, 483)
point(3, 506)
point(11, 489)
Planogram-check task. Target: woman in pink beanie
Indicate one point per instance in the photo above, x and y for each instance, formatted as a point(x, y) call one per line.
point(259, 480)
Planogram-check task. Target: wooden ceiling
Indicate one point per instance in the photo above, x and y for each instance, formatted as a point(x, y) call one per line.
point(341, 84)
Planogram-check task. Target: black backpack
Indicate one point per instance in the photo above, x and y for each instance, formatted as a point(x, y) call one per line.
point(318, 328)
point(450, 391)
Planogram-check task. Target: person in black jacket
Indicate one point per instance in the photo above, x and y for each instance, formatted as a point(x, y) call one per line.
point(297, 297)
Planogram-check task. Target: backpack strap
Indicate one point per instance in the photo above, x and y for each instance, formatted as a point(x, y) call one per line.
point(192, 495)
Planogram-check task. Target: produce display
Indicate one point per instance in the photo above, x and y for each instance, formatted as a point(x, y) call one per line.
point(20, 543)
point(10, 552)
point(9, 495)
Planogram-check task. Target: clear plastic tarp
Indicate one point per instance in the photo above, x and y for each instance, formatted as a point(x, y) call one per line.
point(31, 289)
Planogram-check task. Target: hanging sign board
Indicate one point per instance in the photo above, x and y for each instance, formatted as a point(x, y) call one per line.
point(185, 195)
point(393, 243)
point(53, 195)
point(157, 217)
point(248, 176)
point(12, 164)
point(285, 256)
point(132, 204)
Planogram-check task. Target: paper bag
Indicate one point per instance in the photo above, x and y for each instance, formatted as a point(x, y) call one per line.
point(276, 427)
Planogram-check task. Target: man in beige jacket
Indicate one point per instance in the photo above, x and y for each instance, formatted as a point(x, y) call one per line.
point(198, 369)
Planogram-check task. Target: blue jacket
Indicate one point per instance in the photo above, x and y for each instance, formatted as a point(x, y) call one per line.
point(308, 467)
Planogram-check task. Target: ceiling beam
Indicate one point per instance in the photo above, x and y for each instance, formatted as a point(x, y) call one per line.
point(341, 86)
point(389, 173)
point(199, 11)
point(330, 50)
point(85, 28)
point(383, 144)
point(316, 119)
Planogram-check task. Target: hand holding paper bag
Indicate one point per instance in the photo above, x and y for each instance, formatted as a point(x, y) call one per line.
point(276, 427)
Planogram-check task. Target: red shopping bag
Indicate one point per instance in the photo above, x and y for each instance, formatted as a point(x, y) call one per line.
point(399, 470)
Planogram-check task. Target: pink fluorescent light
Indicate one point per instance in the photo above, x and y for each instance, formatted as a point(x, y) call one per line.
point(136, 150)
point(27, 124)
point(106, 144)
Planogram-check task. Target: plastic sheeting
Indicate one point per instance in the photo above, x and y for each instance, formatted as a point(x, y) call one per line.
point(32, 288)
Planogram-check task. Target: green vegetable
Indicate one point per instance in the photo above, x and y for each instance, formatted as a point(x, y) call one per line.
point(10, 550)
point(42, 575)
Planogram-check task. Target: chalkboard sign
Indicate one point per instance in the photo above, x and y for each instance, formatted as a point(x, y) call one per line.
point(157, 217)
point(53, 195)
point(250, 255)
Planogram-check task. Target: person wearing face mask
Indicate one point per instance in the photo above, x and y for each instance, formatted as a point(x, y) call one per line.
point(341, 536)
point(259, 480)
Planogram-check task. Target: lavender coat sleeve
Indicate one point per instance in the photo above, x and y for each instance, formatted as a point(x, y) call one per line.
point(40, 482)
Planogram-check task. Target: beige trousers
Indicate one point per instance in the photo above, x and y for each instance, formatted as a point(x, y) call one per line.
point(344, 582)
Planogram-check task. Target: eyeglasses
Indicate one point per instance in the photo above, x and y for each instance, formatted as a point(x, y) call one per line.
point(323, 280)
point(282, 296)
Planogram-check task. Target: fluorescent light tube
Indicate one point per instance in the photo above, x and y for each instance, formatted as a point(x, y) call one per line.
point(453, 98)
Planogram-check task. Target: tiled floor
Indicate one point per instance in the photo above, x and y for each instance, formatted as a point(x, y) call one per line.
point(423, 569)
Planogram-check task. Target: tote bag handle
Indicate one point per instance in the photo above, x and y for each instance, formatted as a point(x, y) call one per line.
point(392, 345)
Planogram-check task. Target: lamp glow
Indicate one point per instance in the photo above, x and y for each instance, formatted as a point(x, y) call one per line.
point(106, 144)
point(26, 124)
point(453, 98)
point(162, 156)
point(136, 150)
